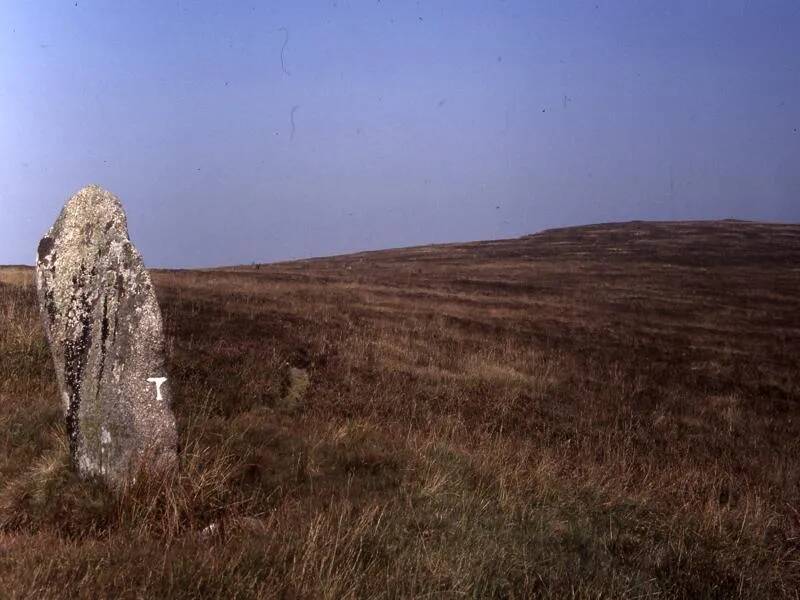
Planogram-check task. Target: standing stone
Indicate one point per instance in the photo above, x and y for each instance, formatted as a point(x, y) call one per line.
point(105, 332)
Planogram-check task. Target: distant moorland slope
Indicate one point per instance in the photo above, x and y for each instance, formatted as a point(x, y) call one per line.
point(601, 411)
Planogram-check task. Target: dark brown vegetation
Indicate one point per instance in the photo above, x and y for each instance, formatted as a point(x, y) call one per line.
point(607, 411)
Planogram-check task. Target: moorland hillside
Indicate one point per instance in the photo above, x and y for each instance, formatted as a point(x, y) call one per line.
point(600, 411)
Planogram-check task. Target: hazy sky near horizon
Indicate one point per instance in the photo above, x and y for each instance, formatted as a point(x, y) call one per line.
point(251, 131)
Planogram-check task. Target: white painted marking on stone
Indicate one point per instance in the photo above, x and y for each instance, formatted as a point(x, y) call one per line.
point(158, 381)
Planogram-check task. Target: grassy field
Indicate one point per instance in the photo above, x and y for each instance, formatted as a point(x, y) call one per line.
point(609, 411)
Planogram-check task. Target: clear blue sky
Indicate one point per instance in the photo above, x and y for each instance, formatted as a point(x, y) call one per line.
point(414, 122)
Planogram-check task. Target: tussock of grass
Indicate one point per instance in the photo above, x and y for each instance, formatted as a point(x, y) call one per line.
point(164, 504)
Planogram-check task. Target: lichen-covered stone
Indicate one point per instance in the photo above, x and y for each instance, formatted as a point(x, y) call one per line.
point(104, 327)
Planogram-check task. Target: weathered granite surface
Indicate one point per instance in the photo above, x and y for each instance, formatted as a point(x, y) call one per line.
point(104, 327)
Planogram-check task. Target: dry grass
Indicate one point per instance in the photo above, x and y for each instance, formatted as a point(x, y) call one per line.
point(599, 412)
